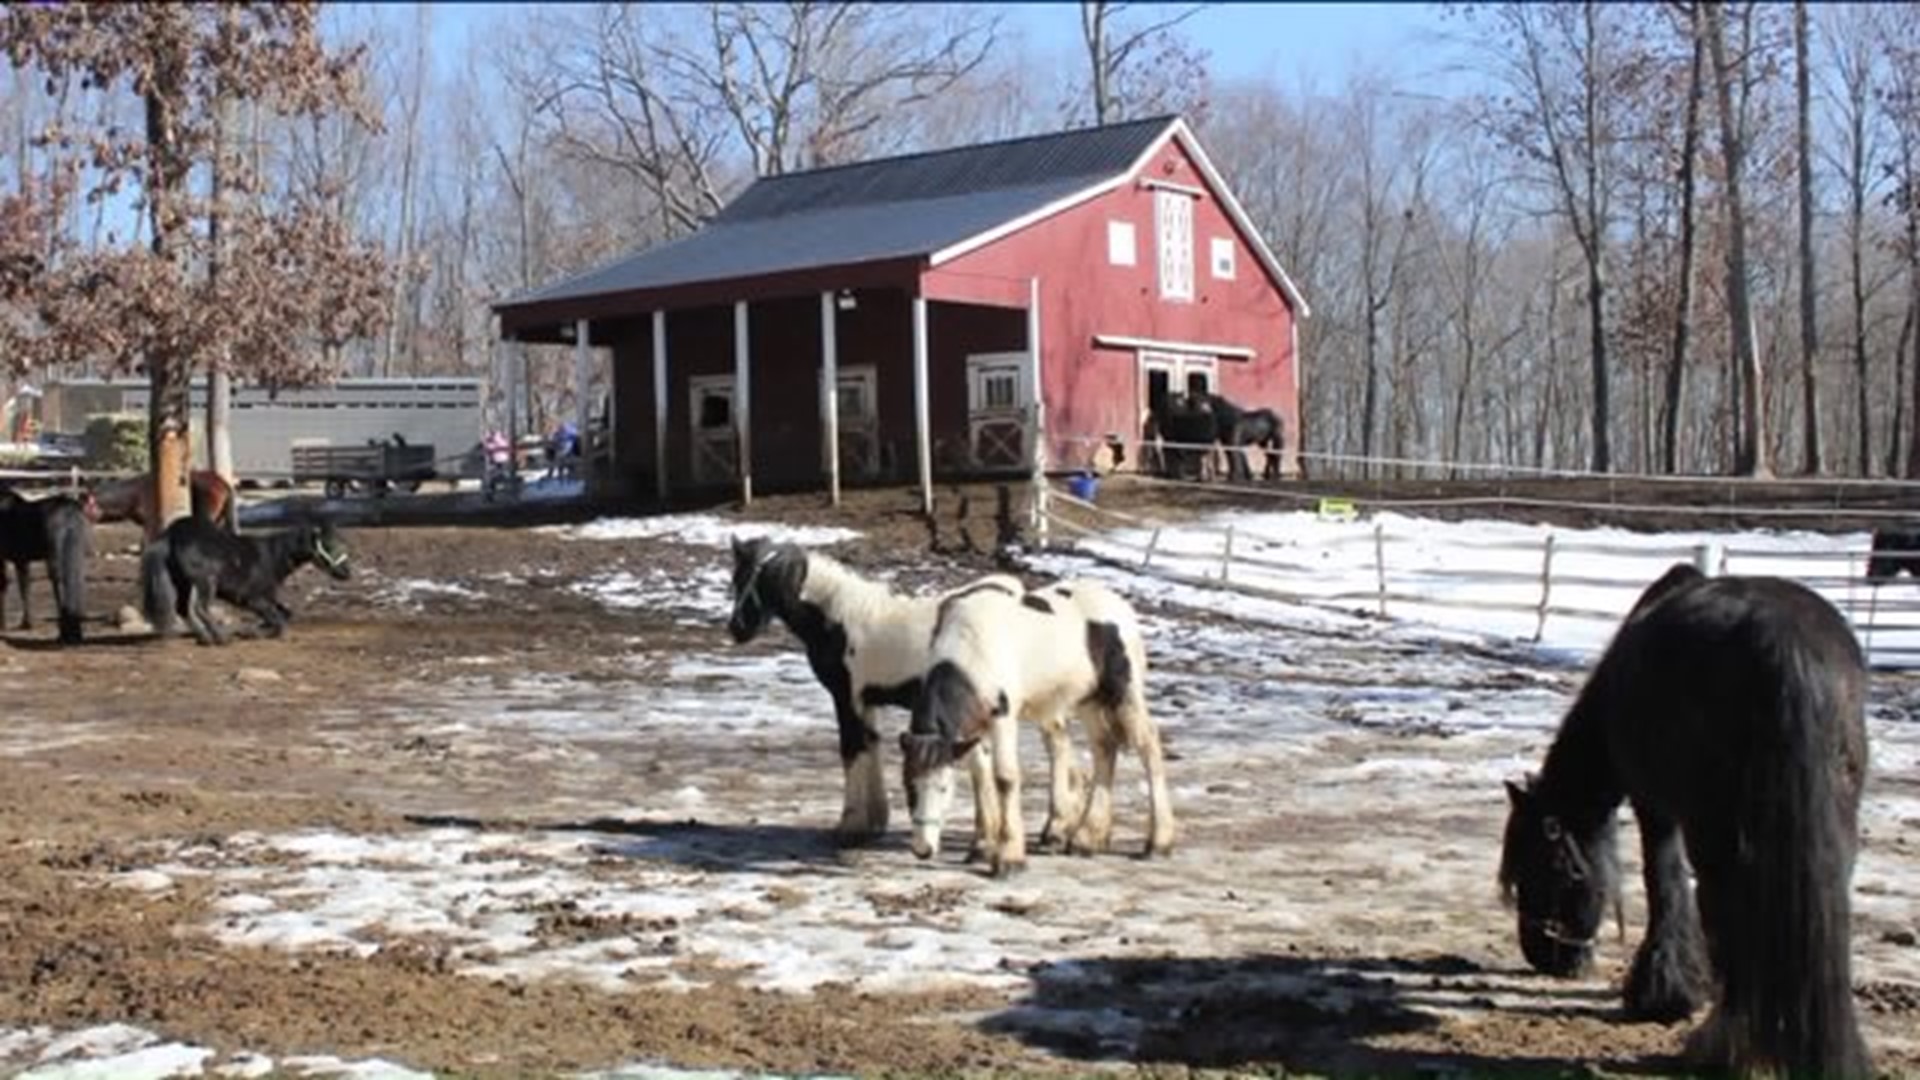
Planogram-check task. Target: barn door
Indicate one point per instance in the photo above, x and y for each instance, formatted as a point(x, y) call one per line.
point(999, 410)
point(715, 447)
point(859, 421)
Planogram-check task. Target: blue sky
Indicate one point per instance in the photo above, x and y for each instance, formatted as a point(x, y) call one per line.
point(1295, 44)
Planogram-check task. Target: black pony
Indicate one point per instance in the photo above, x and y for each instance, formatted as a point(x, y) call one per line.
point(1894, 551)
point(1730, 712)
point(1194, 421)
point(196, 560)
point(56, 530)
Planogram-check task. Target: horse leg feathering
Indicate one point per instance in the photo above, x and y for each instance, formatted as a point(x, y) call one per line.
point(158, 600)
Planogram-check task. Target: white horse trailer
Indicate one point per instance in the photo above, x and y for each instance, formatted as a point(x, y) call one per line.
point(266, 426)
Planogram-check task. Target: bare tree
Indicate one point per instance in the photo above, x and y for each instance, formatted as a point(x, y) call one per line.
point(1809, 296)
point(1732, 84)
point(285, 272)
point(1853, 49)
point(1119, 86)
point(1554, 64)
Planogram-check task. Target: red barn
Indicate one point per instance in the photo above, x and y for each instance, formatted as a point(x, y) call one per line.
point(917, 286)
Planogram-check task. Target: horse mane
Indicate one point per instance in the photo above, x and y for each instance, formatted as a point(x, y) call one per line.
point(841, 594)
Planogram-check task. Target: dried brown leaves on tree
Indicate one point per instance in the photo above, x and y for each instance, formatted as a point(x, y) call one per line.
point(292, 278)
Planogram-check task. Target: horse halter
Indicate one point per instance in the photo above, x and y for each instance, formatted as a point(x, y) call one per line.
point(749, 590)
point(334, 560)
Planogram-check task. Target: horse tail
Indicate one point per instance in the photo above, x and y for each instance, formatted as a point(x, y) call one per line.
point(228, 518)
point(156, 586)
point(1789, 984)
point(71, 544)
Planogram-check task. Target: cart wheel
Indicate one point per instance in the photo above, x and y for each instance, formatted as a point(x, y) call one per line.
point(336, 489)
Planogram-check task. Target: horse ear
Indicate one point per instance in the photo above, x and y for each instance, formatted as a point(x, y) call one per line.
point(1517, 794)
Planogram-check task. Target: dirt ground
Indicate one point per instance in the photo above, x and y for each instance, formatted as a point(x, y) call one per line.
point(1325, 911)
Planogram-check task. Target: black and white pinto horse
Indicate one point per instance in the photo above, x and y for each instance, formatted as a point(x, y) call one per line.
point(868, 647)
point(1730, 712)
point(1194, 423)
point(196, 560)
point(56, 530)
point(1070, 649)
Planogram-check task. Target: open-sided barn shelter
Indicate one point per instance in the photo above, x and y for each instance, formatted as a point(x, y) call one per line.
point(918, 286)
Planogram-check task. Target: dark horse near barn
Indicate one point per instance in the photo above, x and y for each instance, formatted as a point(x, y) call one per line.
point(1894, 551)
point(1192, 422)
point(195, 561)
point(58, 531)
point(131, 499)
point(1730, 712)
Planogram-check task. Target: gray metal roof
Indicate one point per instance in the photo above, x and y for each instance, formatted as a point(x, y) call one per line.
point(892, 208)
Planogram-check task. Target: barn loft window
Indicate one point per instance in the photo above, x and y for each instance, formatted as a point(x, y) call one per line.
point(1173, 218)
point(1120, 244)
point(1222, 257)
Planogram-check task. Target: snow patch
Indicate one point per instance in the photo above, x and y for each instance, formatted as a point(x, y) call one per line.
point(702, 530)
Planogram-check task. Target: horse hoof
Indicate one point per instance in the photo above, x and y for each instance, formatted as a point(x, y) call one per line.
point(975, 855)
point(1008, 869)
point(852, 838)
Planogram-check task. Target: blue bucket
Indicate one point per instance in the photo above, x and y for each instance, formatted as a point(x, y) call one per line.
point(1083, 486)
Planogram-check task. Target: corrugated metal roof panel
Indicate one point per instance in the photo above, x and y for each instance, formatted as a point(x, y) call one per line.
point(893, 208)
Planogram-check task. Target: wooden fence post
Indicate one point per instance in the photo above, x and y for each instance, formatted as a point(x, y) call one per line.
point(1380, 564)
point(1226, 555)
point(1709, 559)
point(1546, 590)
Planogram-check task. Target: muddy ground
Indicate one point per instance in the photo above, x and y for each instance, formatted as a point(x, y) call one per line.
point(471, 699)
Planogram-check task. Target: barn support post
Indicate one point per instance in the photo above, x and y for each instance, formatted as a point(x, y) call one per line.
point(922, 437)
point(660, 484)
point(1037, 433)
point(582, 383)
point(830, 391)
point(743, 400)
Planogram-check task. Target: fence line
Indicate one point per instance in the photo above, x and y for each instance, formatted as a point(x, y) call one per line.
point(1238, 549)
point(1502, 471)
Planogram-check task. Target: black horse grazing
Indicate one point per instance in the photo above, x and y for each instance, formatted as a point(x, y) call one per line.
point(196, 560)
point(56, 530)
point(1730, 712)
point(1894, 550)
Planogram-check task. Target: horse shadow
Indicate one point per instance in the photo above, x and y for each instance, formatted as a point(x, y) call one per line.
point(1286, 1014)
point(711, 847)
point(21, 641)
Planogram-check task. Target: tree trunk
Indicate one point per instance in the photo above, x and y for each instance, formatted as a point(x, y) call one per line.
point(1899, 392)
point(1856, 271)
point(1809, 328)
point(219, 385)
point(1093, 27)
point(1596, 251)
point(1751, 458)
point(1683, 299)
point(169, 370)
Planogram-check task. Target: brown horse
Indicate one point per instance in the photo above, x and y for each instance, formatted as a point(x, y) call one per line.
point(131, 499)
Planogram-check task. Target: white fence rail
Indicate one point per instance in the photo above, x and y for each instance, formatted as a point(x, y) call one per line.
point(1523, 585)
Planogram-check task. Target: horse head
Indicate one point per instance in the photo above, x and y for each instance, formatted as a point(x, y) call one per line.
point(761, 570)
point(1559, 877)
point(950, 717)
point(327, 550)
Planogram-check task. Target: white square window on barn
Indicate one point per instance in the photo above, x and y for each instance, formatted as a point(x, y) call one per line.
point(1120, 246)
point(1222, 260)
point(1173, 218)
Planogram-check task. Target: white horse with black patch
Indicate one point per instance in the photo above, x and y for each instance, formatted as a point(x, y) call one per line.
point(1070, 649)
point(867, 645)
